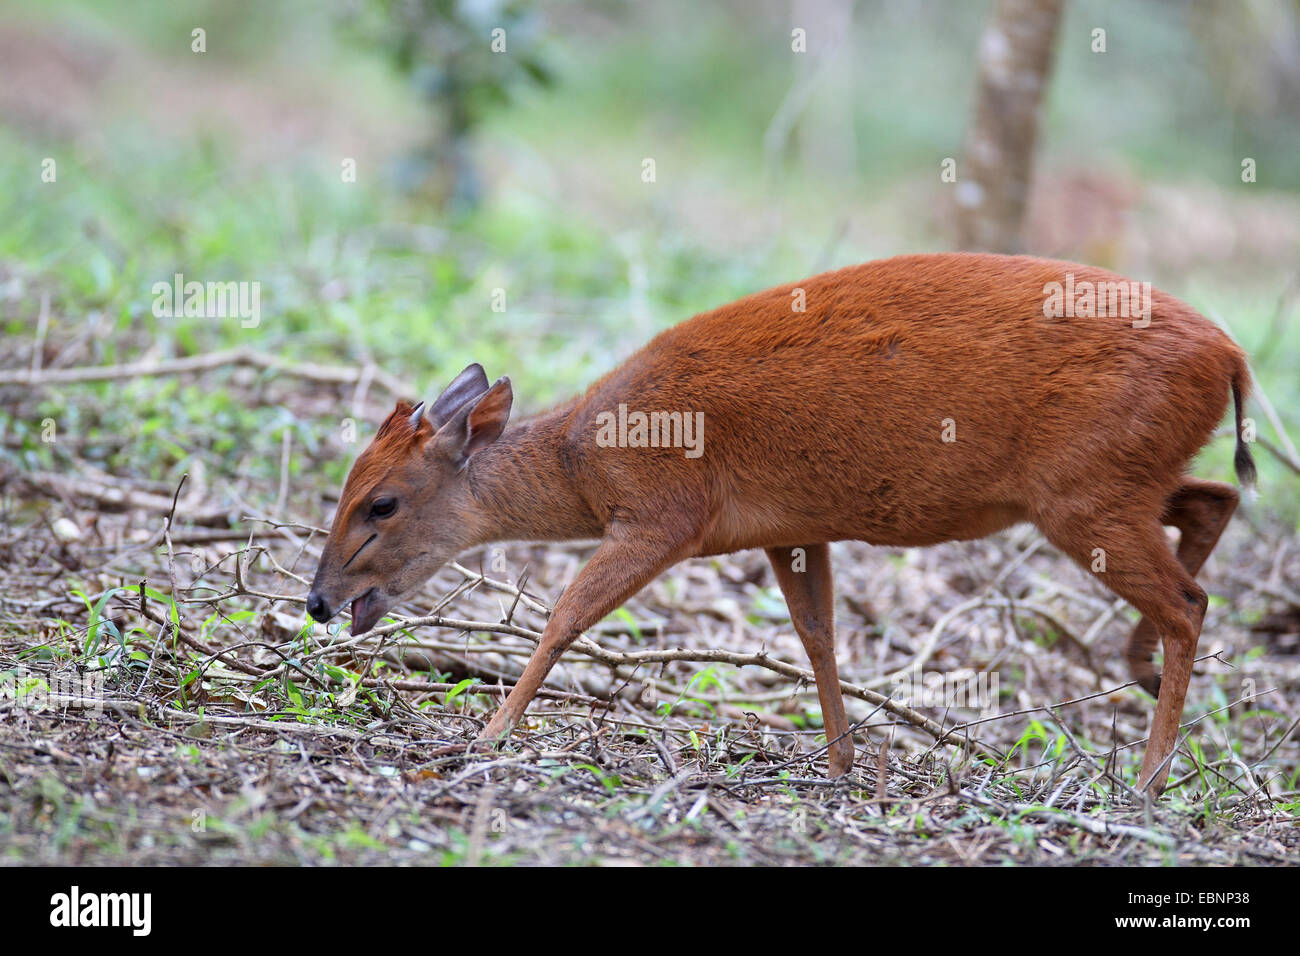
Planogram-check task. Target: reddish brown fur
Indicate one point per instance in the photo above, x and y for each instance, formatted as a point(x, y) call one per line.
point(827, 425)
point(392, 442)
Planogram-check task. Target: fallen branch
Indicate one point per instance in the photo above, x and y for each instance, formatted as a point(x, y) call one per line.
point(119, 497)
point(1088, 824)
point(707, 656)
point(328, 374)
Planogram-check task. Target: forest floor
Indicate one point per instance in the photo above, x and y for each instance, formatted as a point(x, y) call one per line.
point(165, 699)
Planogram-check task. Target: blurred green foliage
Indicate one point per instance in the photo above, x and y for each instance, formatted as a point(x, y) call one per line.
point(437, 46)
point(592, 259)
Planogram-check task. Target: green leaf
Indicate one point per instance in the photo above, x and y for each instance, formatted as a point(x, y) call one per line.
point(460, 688)
point(624, 615)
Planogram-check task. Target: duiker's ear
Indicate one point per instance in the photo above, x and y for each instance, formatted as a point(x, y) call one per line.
point(477, 424)
point(465, 387)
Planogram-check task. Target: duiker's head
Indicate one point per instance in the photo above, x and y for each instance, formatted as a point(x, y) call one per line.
point(406, 509)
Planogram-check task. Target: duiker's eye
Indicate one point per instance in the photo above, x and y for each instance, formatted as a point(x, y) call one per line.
point(383, 507)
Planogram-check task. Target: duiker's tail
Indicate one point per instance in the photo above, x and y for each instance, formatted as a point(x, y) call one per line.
point(1241, 459)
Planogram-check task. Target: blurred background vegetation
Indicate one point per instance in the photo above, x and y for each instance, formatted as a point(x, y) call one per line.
point(522, 170)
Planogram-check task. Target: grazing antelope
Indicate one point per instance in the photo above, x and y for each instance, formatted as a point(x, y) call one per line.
point(903, 402)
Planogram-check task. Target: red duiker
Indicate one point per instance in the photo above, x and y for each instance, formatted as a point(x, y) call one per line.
point(904, 402)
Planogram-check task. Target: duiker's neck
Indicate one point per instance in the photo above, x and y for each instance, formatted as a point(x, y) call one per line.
point(523, 491)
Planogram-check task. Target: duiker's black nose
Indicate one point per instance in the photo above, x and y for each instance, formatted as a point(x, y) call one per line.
point(317, 607)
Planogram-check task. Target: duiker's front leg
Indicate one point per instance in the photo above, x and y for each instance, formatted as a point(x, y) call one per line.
point(626, 561)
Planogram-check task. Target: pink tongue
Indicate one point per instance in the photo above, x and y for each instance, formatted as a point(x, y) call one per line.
point(363, 613)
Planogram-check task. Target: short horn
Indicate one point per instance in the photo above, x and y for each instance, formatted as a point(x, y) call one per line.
point(417, 415)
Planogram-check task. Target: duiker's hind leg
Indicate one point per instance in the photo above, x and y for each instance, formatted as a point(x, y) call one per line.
point(810, 596)
point(1200, 510)
point(1140, 568)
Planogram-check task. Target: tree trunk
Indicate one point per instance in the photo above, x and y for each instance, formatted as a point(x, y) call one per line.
point(1015, 62)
